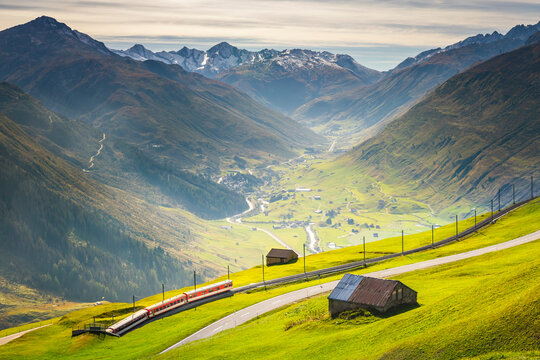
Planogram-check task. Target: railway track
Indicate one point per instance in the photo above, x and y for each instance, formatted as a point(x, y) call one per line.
point(359, 264)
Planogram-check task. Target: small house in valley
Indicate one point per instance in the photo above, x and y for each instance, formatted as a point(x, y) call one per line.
point(280, 256)
point(355, 291)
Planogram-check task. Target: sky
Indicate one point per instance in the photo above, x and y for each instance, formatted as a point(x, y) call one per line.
point(377, 33)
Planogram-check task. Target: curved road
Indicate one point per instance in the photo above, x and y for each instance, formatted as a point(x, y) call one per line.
point(6, 339)
point(253, 311)
point(237, 220)
point(91, 161)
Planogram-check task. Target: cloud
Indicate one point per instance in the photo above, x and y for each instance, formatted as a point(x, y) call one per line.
point(339, 24)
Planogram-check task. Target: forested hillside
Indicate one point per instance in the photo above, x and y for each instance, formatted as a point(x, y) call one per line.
point(119, 164)
point(58, 238)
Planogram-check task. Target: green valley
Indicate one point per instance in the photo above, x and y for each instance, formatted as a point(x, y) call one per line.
point(438, 301)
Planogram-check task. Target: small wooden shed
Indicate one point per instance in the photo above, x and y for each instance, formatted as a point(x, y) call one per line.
point(355, 291)
point(280, 256)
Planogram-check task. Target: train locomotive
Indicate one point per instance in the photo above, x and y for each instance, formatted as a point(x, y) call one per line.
point(167, 305)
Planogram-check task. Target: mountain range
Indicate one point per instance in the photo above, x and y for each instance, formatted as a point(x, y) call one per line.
point(360, 113)
point(165, 111)
point(281, 80)
point(333, 93)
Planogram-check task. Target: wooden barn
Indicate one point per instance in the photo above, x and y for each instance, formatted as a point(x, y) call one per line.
point(280, 256)
point(355, 291)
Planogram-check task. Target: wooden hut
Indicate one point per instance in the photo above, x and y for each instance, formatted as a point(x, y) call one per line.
point(280, 256)
point(354, 292)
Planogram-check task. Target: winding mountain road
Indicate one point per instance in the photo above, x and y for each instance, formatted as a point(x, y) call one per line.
point(91, 161)
point(253, 311)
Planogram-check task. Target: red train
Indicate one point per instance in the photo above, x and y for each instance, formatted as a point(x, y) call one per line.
point(169, 304)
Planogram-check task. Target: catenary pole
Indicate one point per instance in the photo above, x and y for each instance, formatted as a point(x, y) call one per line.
point(305, 261)
point(402, 243)
point(364, 240)
point(457, 233)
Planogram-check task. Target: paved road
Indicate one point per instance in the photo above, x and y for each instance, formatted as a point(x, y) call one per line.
point(6, 339)
point(255, 310)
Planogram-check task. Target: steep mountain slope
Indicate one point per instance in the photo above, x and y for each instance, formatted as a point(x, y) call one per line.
point(178, 120)
point(364, 111)
point(118, 163)
point(64, 233)
point(478, 131)
point(294, 77)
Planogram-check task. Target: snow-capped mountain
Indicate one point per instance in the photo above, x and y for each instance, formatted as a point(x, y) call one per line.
point(223, 57)
point(219, 58)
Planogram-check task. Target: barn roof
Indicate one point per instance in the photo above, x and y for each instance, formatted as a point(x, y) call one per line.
point(280, 253)
point(373, 292)
point(345, 287)
point(363, 290)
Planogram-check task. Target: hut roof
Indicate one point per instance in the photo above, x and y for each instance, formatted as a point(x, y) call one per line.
point(345, 287)
point(363, 290)
point(373, 291)
point(280, 253)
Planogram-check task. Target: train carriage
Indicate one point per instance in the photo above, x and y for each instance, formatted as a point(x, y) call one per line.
point(128, 322)
point(167, 305)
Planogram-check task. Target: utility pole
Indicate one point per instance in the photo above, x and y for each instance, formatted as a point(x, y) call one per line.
point(475, 219)
point(133, 303)
point(402, 243)
point(432, 235)
point(457, 233)
point(194, 280)
point(532, 192)
point(163, 291)
point(228, 273)
point(305, 261)
point(262, 257)
point(499, 199)
point(513, 194)
point(364, 239)
point(491, 210)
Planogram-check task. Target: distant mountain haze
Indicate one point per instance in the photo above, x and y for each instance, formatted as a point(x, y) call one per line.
point(360, 113)
point(333, 93)
point(188, 119)
point(119, 164)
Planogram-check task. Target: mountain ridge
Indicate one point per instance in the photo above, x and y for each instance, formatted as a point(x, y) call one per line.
point(360, 113)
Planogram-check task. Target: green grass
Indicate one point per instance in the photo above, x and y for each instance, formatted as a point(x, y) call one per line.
point(469, 308)
point(55, 342)
point(375, 209)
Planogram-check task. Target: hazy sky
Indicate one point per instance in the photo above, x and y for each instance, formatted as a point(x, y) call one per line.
point(377, 33)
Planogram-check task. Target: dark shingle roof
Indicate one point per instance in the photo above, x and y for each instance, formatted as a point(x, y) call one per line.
point(280, 253)
point(345, 287)
point(363, 290)
point(373, 292)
